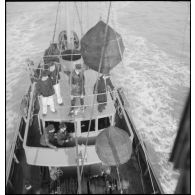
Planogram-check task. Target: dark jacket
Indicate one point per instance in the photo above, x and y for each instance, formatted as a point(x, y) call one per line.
point(55, 75)
point(63, 137)
point(45, 88)
point(101, 88)
point(77, 84)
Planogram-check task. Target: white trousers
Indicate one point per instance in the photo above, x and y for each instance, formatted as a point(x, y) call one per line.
point(58, 93)
point(48, 101)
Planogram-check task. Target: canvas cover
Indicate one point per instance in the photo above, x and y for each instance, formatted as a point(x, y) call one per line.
point(113, 146)
point(92, 44)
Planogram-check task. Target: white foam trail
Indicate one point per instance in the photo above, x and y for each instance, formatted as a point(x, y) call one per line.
point(149, 76)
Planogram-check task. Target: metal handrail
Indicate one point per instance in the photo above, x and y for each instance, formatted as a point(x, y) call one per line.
point(90, 105)
point(125, 116)
point(96, 94)
point(29, 114)
point(143, 147)
point(12, 148)
point(62, 55)
point(14, 144)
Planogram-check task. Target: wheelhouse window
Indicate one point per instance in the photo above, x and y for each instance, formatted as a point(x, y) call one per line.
point(103, 123)
point(55, 124)
point(70, 127)
point(85, 126)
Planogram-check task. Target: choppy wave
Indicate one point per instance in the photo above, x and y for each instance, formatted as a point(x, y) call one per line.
point(152, 80)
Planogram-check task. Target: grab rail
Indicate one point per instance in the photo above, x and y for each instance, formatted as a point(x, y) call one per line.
point(13, 146)
point(29, 114)
point(125, 116)
point(141, 142)
point(61, 55)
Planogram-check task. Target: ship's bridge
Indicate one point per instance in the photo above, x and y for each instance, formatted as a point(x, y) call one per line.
point(66, 156)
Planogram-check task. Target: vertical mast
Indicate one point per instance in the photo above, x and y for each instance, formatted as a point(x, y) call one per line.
point(68, 22)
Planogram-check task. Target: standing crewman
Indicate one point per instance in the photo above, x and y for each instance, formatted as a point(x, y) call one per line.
point(46, 91)
point(77, 86)
point(55, 77)
point(104, 84)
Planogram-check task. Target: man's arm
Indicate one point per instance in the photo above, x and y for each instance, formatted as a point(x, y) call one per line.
point(47, 140)
point(49, 144)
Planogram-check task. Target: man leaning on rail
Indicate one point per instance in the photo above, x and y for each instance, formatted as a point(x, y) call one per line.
point(101, 87)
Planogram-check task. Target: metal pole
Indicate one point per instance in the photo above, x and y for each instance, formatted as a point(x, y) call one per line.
point(125, 116)
point(77, 160)
point(55, 23)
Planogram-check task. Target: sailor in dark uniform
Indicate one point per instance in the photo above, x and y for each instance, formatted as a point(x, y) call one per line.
point(77, 86)
point(62, 135)
point(104, 84)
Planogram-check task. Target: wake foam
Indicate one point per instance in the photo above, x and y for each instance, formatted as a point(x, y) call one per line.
point(149, 75)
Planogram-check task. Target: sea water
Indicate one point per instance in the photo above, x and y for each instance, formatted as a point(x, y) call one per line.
point(155, 72)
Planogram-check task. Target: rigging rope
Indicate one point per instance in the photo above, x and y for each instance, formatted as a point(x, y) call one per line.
point(80, 22)
point(81, 18)
point(87, 24)
point(100, 65)
point(76, 140)
point(117, 41)
point(119, 179)
point(116, 157)
point(55, 23)
point(77, 160)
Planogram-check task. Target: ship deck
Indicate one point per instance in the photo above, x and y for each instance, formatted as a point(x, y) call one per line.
point(62, 113)
point(130, 172)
